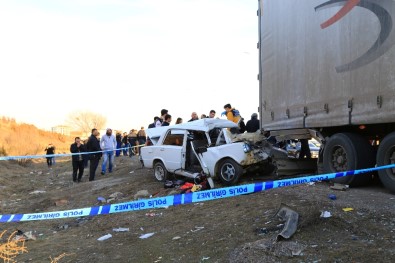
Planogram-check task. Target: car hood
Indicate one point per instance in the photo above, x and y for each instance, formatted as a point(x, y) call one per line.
point(198, 125)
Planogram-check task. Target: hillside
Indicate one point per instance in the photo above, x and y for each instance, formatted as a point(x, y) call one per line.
point(26, 139)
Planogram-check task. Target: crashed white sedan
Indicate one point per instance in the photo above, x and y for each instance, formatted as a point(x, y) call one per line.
point(203, 146)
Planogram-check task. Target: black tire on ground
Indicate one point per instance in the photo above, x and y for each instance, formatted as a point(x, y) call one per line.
point(345, 152)
point(160, 171)
point(229, 171)
point(386, 156)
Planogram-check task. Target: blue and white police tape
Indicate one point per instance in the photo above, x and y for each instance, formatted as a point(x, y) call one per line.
point(180, 199)
point(7, 158)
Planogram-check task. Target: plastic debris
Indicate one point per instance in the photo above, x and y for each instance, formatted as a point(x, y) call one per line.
point(105, 237)
point(205, 258)
point(177, 237)
point(325, 214)
point(332, 197)
point(197, 228)
point(121, 229)
point(101, 199)
point(148, 235)
point(348, 209)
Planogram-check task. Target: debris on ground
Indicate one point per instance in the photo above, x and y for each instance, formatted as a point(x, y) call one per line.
point(114, 197)
point(148, 235)
point(105, 237)
point(348, 209)
point(101, 199)
point(332, 197)
point(142, 194)
point(37, 192)
point(291, 221)
point(340, 187)
point(121, 229)
point(22, 236)
point(325, 214)
point(197, 228)
point(266, 249)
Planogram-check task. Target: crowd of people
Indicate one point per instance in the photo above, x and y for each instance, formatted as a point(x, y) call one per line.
point(108, 146)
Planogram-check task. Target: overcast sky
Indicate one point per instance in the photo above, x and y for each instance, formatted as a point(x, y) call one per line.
point(126, 59)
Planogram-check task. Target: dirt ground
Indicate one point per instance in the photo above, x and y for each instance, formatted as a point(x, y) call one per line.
point(238, 229)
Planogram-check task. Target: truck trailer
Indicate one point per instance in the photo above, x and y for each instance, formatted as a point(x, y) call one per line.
point(327, 71)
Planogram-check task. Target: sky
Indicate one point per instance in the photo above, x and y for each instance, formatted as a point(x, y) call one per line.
point(126, 59)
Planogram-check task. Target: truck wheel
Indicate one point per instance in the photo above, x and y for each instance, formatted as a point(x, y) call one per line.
point(345, 152)
point(229, 172)
point(386, 156)
point(160, 171)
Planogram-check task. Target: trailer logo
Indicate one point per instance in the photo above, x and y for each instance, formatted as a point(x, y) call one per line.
point(386, 39)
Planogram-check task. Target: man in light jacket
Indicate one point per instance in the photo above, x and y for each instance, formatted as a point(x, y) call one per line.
point(108, 143)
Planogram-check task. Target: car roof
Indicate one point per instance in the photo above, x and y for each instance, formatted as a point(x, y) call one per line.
point(198, 125)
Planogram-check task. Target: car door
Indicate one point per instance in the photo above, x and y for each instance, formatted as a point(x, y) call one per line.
point(170, 151)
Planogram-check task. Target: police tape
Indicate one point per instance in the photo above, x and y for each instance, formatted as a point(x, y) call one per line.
point(7, 158)
point(182, 199)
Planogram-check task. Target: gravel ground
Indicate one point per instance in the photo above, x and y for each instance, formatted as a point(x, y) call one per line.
point(238, 229)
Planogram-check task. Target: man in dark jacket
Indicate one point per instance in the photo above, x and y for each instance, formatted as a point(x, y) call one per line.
point(253, 124)
point(78, 159)
point(93, 145)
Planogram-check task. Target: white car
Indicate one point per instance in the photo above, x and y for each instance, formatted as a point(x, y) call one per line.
point(206, 146)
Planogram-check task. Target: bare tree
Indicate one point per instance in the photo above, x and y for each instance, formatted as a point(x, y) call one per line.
point(85, 121)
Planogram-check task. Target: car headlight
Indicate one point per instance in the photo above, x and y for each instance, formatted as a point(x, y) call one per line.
point(246, 148)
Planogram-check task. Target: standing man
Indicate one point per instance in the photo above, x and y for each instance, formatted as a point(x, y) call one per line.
point(159, 122)
point(194, 117)
point(78, 159)
point(109, 144)
point(125, 144)
point(93, 145)
point(141, 136)
point(50, 150)
point(153, 125)
point(118, 138)
point(212, 114)
point(167, 120)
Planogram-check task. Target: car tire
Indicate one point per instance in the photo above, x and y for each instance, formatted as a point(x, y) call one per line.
point(160, 171)
point(229, 171)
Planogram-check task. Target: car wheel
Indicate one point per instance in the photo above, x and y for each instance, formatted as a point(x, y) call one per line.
point(229, 171)
point(160, 171)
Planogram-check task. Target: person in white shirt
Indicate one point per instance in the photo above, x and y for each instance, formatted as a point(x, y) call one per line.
point(108, 144)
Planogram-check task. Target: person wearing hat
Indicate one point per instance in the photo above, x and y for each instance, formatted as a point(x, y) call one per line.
point(108, 143)
point(253, 124)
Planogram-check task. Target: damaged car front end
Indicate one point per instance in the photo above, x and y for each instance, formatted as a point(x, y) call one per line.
point(205, 146)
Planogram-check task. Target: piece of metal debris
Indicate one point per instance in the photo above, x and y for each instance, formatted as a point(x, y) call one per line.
point(291, 221)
